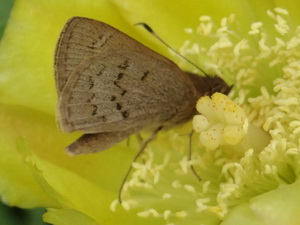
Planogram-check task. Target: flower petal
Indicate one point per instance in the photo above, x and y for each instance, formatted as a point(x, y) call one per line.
point(66, 217)
point(18, 183)
point(280, 206)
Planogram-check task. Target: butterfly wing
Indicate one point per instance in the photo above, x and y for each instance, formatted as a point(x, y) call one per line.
point(121, 90)
point(91, 143)
point(82, 38)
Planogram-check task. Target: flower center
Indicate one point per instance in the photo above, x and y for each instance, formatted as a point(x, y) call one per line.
point(245, 147)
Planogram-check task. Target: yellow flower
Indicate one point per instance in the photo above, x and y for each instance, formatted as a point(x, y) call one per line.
point(249, 176)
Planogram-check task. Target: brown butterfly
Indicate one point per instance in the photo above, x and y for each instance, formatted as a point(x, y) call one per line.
point(111, 86)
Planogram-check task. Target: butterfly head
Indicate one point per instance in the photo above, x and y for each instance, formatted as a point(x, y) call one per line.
point(208, 85)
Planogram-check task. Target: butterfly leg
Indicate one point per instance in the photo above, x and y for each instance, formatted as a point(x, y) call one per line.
point(140, 151)
point(139, 138)
point(190, 156)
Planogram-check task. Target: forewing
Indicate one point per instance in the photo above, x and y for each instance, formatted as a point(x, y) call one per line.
point(82, 38)
point(121, 90)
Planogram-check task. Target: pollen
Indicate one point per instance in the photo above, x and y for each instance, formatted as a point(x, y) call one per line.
point(222, 122)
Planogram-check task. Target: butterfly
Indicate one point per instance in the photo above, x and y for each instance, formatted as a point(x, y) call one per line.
point(110, 86)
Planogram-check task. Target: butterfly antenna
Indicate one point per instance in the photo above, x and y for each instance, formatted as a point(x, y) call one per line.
point(150, 30)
